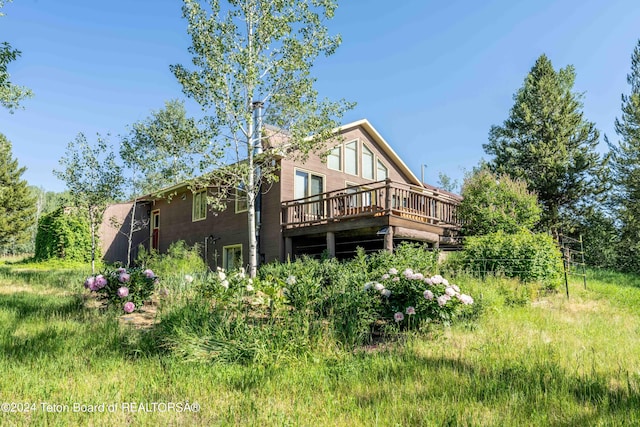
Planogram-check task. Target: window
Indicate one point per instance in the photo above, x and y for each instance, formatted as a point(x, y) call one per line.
point(232, 257)
point(382, 171)
point(351, 157)
point(308, 185)
point(367, 162)
point(199, 210)
point(334, 160)
point(241, 200)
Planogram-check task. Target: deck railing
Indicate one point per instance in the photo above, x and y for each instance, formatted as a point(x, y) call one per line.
point(374, 199)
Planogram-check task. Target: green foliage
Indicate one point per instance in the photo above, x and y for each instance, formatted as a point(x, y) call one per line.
point(547, 143)
point(249, 56)
point(16, 202)
point(494, 203)
point(179, 260)
point(10, 94)
point(93, 179)
point(601, 239)
point(63, 234)
point(126, 289)
point(526, 256)
point(625, 168)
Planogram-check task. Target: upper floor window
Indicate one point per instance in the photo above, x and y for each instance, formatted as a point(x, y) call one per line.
point(334, 160)
point(241, 200)
point(367, 162)
point(382, 171)
point(351, 157)
point(199, 208)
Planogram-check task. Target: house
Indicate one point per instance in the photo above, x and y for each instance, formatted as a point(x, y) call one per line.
point(362, 195)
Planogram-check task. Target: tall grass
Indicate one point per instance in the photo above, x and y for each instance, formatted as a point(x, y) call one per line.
point(549, 362)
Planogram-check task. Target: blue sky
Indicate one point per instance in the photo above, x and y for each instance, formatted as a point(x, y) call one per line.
point(431, 76)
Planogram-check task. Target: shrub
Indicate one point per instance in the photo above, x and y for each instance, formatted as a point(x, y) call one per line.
point(179, 260)
point(527, 256)
point(125, 289)
point(63, 234)
point(494, 203)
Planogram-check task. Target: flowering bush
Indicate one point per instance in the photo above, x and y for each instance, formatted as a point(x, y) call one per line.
point(127, 289)
point(427, 298)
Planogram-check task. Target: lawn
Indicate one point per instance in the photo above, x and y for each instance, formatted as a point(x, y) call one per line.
point(550, 362)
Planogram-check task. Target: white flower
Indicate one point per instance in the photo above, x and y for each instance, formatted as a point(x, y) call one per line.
point(437, 279)
point(428, 281)
point(465, 299)
point(428, 295)
point(250, 281)
point(225, 284)
point(393, 271)
point(385, 276)
point(442, 300)
point(221, 275)
point(291, 280)
point(378, 286)
point(407, 273)
point(445, 282)
point(188, 278)
point(455, 288)
point(249, 288)
point(411, 310)
point(450, 291)
point(368, 285)
point(417, 276)
point(385, 293)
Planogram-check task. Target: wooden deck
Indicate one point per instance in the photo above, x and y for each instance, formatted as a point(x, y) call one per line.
point(379, 204)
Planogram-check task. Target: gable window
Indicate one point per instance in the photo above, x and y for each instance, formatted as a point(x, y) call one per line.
point(232, 257)
point(199, 208)
point(382, 171)
point(240, 196)
point(351, 157)
point(334, 160)
point(367, 162)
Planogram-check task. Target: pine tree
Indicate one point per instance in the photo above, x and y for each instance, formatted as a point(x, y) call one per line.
point(625, 167)
point(17, 205)
point(547, 142)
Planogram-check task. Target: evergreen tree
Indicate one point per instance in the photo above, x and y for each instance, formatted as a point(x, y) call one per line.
point(625, 167)
point(547, 142)
point(17, 205)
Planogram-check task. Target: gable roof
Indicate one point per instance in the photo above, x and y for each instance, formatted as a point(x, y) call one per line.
point(384, 145)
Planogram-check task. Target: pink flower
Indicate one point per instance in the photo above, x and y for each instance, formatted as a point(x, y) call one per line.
point(450, 291)
point(411, 310)
point(395, 279)
point(149, 273)
point(408, 273)
point(455, 288)
point(90, 282)
point(129, 307)
point(428, 281)
point(100, 282)
point(399, 317)
point(393, 271)
point(121, 270)
point(123, 291)
point(417, 276)
point(428, 295)
point(437, 279)
point(124, 277)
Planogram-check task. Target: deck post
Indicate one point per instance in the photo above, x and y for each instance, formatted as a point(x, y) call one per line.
point(331, 244)
point(388, 240)
point(288, 248)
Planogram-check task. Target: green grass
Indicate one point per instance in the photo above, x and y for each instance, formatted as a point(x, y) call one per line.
point(553, 362)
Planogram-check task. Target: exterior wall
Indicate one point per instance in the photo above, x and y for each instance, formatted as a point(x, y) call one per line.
point(338, 179)
point(114, 232)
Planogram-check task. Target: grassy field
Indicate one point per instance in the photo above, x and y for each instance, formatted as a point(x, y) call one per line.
point(551, 362)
